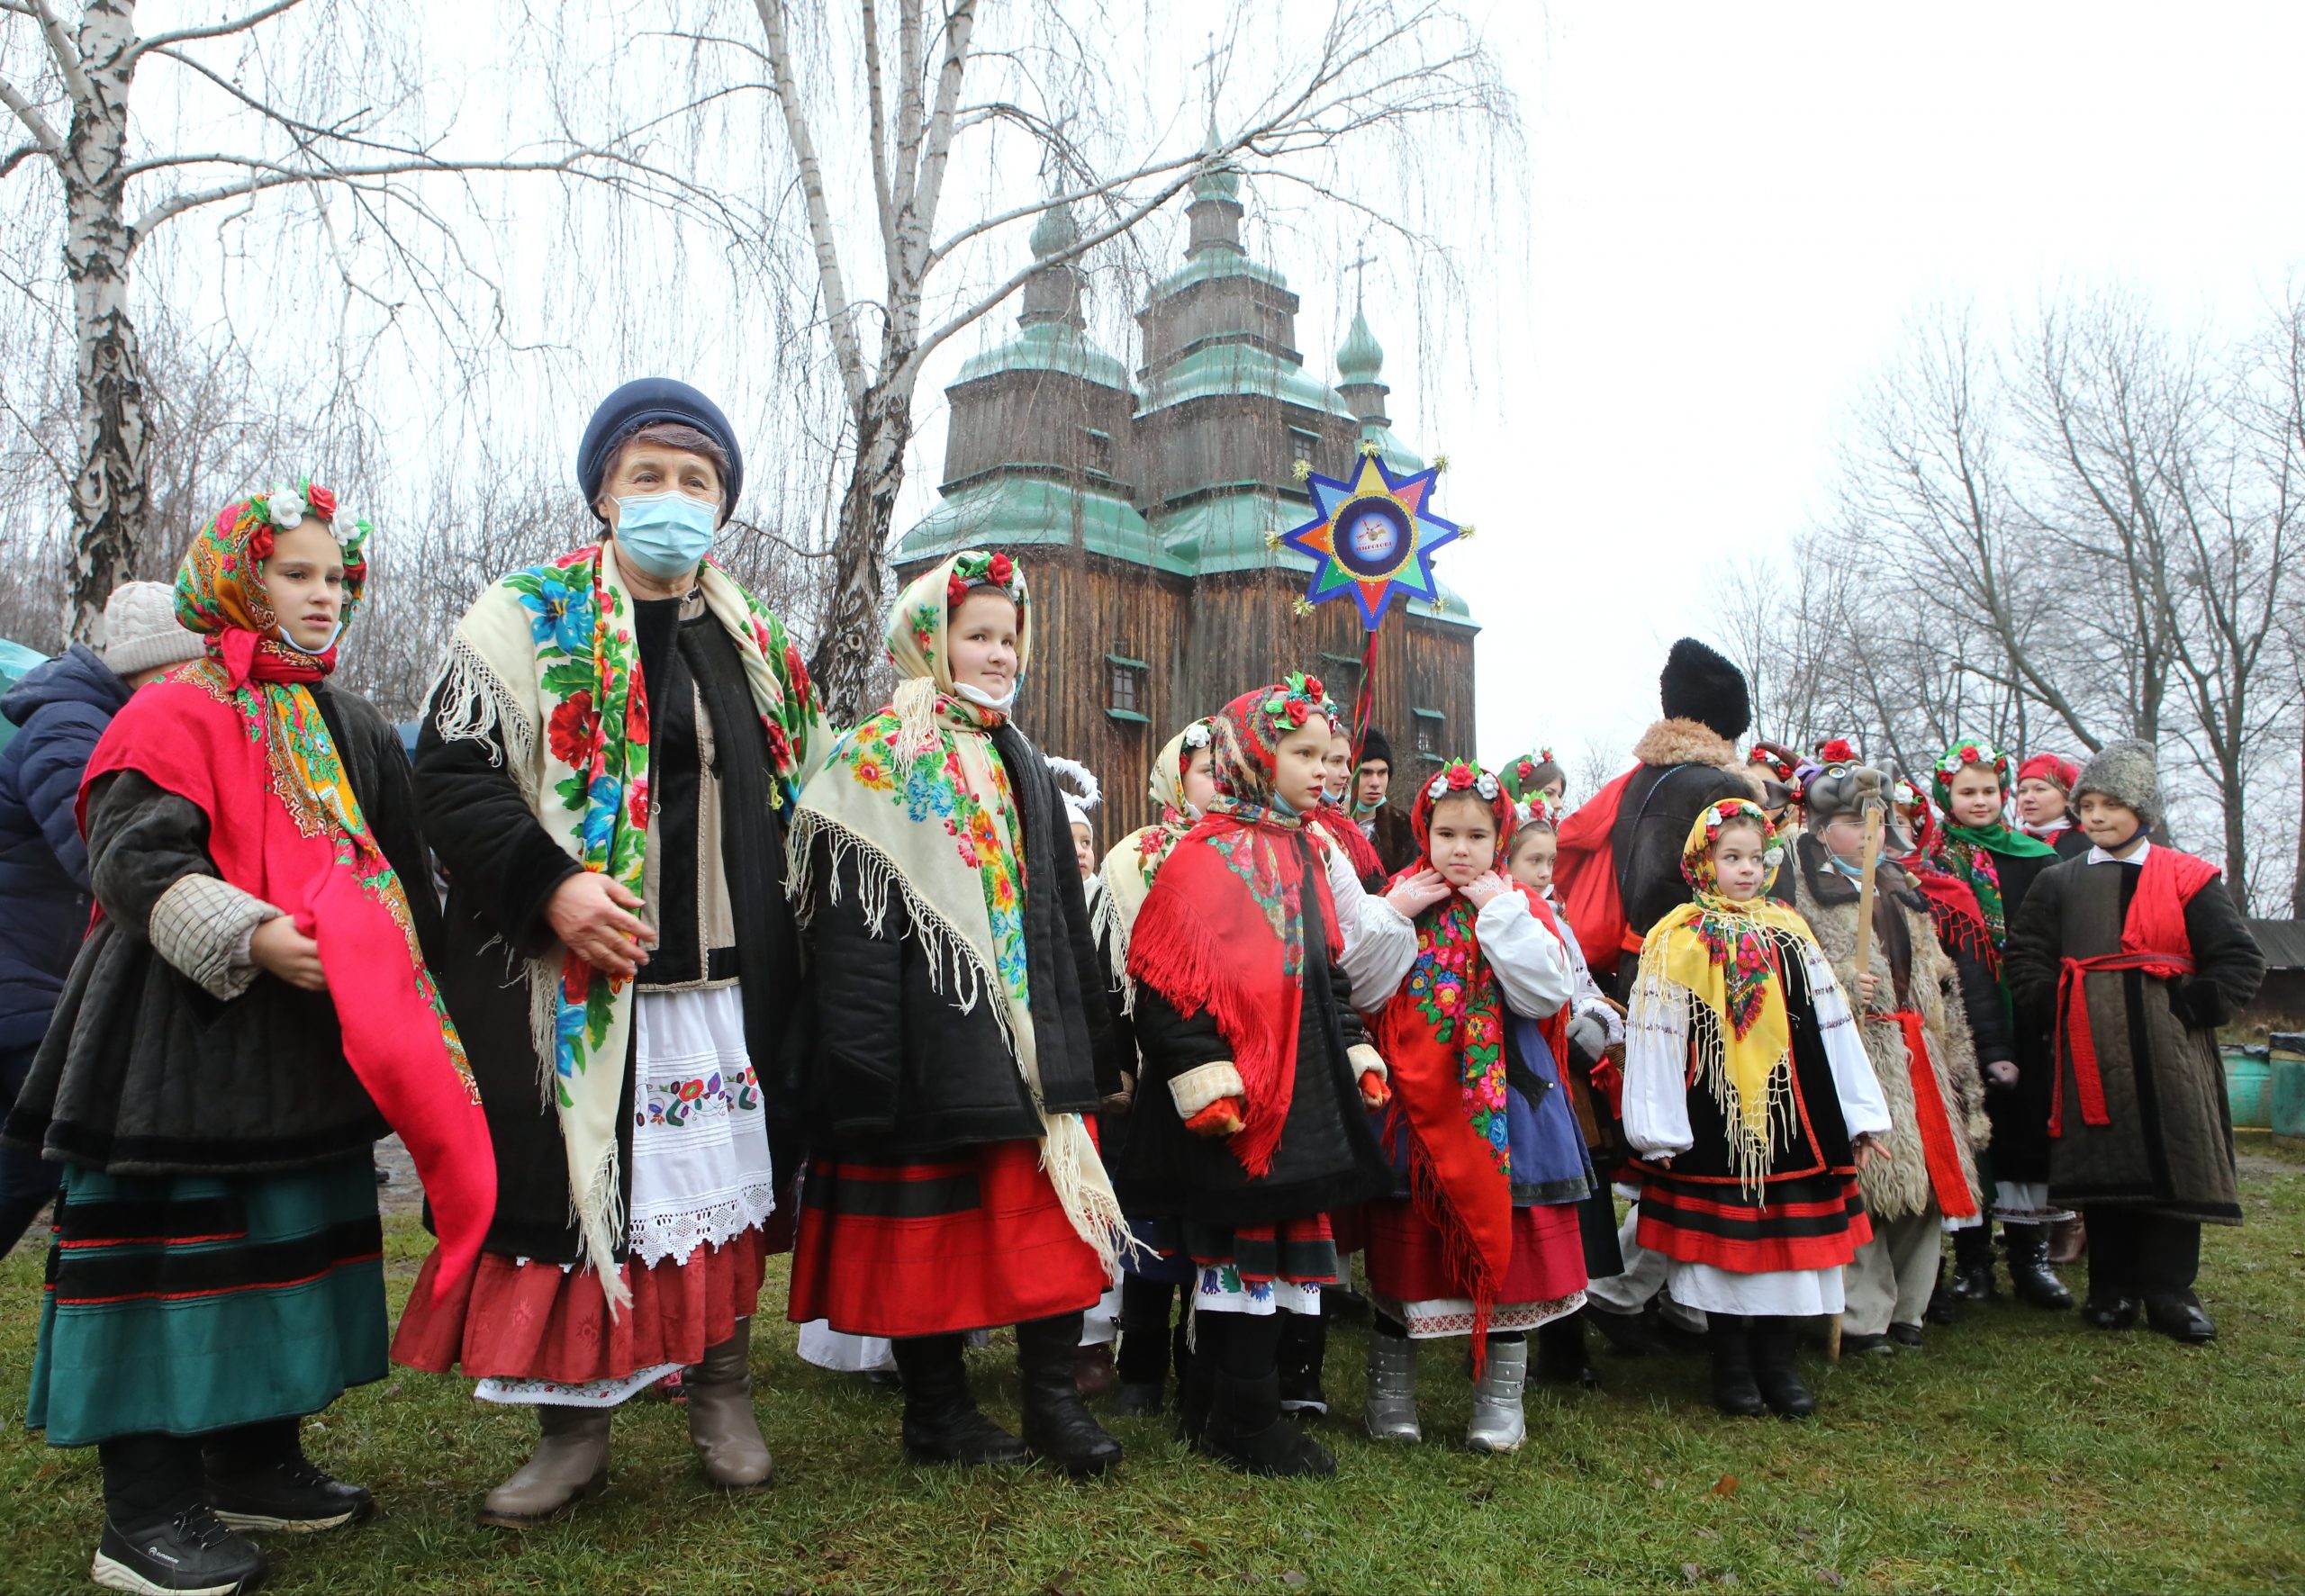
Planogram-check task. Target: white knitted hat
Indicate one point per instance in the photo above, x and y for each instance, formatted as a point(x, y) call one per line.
point(141, 629)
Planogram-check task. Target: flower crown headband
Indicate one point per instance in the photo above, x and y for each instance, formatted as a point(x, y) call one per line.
point(287, 507)
point(1463, 776)
point(1973, 750)
point(972, 571)
point(1295, 700)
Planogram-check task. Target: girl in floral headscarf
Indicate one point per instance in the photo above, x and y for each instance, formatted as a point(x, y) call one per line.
point(1247, 1128)
point(1751, 1105)
point(250, 1011)
point(1977, 847)
point(1480, 1237)
point(964, 1037)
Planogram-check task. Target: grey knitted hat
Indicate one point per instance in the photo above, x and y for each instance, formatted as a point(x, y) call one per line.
point(2124, 772)
point(141, 629)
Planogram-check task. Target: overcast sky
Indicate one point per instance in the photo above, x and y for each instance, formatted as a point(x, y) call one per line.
point(1729, 214)
point(1733, 210)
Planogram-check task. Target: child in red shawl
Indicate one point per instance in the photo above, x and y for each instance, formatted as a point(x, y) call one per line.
point(1249, 1124)
point(1480, 1236)
point(251, 1010)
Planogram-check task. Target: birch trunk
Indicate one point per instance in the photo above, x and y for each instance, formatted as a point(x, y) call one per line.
point(111, 493)
point(851, 637)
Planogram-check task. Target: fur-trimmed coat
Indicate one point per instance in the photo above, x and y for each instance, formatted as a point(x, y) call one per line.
point(1685, 766)
point(1911, 963)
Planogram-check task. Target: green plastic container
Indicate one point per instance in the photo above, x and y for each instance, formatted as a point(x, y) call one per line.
point(2286, 1097)
point(2248, 1076)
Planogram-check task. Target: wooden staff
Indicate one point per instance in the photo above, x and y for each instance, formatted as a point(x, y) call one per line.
point(1864, 963)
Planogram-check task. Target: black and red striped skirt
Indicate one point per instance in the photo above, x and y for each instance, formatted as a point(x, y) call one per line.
point(1805, 1222)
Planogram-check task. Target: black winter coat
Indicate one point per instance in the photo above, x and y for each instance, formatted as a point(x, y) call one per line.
point(2021, 1114)
point(898, 1069)
point(1329, 1156)
point(502, 869)
point(145, 1071)
point(59, 709)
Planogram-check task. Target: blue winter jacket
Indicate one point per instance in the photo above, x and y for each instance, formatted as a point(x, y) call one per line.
point(60, 708)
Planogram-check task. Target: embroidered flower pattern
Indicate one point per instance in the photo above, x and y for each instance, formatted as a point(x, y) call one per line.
point(1452, 990)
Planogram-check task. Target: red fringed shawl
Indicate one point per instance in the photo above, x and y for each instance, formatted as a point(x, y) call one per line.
point(1340, 829)
point(1223, 929)
point(251, 756)
point(1442, 1036)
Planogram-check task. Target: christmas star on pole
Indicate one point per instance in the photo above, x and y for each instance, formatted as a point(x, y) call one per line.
point(1370, 536)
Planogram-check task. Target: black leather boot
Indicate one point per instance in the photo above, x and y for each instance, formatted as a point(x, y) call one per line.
point(1560, 1353)
point(1734, 1391)
point(1943, 1309)
point(1775, 1371)
point(941, 1421)
point(1304, 1349)
point(1973, 1264)
point(2030, 1278)
point(258, 1478)
point(1056, 1422)
point(1247, 1431)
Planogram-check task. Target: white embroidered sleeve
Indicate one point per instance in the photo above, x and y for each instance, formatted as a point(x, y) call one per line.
point(1656, 1069)
point(1863, 1109)
point(1379, 940)
point(203, 924)
point(1530, 964)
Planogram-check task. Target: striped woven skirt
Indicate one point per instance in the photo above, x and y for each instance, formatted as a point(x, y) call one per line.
point(183, 1304)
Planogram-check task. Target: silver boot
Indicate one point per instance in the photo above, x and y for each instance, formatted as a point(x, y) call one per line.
point(1496, 1424)
point(1392, 1388)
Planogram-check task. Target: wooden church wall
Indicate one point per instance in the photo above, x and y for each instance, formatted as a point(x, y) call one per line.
point(1204, 644)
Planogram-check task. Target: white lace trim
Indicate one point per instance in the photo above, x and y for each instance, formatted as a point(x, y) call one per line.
point(591, 1394)
point(678, 1234)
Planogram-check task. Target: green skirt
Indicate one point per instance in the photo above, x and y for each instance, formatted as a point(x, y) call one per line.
point(180, 1306)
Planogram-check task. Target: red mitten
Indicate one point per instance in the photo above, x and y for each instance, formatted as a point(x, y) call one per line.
point(1374, 1092)
point(1220, 1118)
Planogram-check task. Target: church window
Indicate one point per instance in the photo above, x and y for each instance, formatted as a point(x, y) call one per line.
point(1125, 698)
point(1432, 735)
point(1301, 445)
point(1097, 451)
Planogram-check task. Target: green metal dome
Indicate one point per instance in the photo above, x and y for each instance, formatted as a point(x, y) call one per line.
point(1054, 232)
point(1222, 180)
point(1360, 358)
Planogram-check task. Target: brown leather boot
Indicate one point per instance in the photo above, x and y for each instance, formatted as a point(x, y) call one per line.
point(570, 1463)
point(720, 1420)
point(2068, 1240)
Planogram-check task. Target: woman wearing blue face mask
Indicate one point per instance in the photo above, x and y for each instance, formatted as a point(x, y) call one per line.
point(613, 752)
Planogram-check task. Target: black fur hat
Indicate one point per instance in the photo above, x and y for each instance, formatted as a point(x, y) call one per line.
point(1698, 684)
point(1373, 746)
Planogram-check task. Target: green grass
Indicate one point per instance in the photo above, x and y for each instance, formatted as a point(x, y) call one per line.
point(2020, 1452)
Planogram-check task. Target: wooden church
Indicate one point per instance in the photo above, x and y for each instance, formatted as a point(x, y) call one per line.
point(1141, 511)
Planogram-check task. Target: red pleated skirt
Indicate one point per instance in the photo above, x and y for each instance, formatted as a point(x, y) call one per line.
point(1406, 1257)
point(539, 1321)
point(966, 1242)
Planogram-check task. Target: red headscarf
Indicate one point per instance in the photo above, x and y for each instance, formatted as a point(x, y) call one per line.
point(1442, 1036)
point(1222, 928)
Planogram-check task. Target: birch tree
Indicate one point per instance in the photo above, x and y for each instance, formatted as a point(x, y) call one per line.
point(277, 112)
point(917, 91)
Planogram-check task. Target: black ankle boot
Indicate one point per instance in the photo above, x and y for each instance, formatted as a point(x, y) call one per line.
point(1303, 1349)
point(1734, 1392)
point(1057, 1426)
point(1246, 1431)
point(941, 1421)
point(1942, 1308)
point(158, 1533)
point(1973, 1264)
point(2030, 1275)
point(1560, 1353)
point(258, 1478)
point(1775, 1370)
